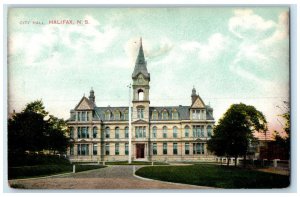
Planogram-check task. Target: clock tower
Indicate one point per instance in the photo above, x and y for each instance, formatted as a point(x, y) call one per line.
point(140, 81)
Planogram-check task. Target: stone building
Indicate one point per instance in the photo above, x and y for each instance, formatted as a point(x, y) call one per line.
point(159, 133)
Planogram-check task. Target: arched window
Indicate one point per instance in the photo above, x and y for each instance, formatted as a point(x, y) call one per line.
point(209, 131)
point(175, 133)
point(107, 132)
point(95, 131)
point(140, 95)
point(154, 131)
point(117, 115)
point(107, 115)
point(126, 132)
point(175, 115)
point(165, 115)
point(165, 131)
point(155, 115)
point(117, 133)
point(186, 131)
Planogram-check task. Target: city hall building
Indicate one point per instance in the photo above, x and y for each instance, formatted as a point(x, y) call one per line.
point(158, 133)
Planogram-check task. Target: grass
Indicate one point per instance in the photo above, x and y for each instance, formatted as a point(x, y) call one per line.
point(134, 163)
point(215, 176)
point(46, 170)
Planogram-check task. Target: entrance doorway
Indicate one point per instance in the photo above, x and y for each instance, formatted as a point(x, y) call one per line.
point(140, 151)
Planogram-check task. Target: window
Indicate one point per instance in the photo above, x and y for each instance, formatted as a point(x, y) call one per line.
point(198, 148)
point(117, 133)
point(196, 131)
point(165, 115)
point(78, 117)
point(175, 132)
point(126, 117)
point(95, 146)
point(126, 149)
point(186, 131)
point(196, 114)
point(83, 116)
point(78, 132)
point(155, 115)
point(175, 149)
point(154, 149)
point(107, 115)
point(126, 132)
point(117, 149)
point(107, 149)
point(165, 132)
point(107, 132)
point(175, 115)
point(202, 131)
point(82, 149)
point(165, 148)
point(209, 131)
point(72, 149)
point(95, 131)
point(140, 132)
point(154, 131)
point(140, 95)
point(140, 113)
point(71, 132)
point(117, 115)
point(187, 148)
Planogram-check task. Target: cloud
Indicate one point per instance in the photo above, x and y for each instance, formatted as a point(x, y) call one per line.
point(211, 50)
point(246, 24)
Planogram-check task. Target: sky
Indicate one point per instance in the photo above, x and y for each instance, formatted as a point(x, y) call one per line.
point(230, 55)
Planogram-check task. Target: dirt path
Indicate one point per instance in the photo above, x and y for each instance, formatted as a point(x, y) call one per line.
point(112, 177)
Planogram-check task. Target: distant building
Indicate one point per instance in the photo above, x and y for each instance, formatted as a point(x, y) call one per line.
point(159, 133)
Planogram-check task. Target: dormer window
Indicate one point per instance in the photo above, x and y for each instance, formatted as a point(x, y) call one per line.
point(155, 115)
point(165, 115)
point(82, 116)
point(117, 115)
point(126, 117)
point(175, 115)
point(107, 115)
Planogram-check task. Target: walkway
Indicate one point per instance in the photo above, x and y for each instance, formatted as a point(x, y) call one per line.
point(111, 177)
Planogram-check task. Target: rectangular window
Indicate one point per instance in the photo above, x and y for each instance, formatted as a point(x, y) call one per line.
point(83, 117)
point(72, 149)
point(78, 149)
point(165, 148)
point(72, 132)
point(126, 149)
point(187, 148)
point(154, 129)
point(198, 148)
point(95, 132)
point(87, 133)
point(154, 149)
point(78, 132)
point(84, 149)
point(196, 114)
point(175, 149)
point(78, 116)
point(140, 132)
point(197, 131)
point(95, 146)
point(107, 149)
point(117, 149)
point(202, 131)
point(126, 132)
point(117, 133)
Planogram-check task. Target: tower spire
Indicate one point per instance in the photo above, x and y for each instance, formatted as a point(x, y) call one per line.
point(140, 63)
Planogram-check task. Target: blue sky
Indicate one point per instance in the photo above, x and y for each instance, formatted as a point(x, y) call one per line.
point(230, 55)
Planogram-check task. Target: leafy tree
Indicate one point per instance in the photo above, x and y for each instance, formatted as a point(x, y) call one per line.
point(234, 133)
point(33, 130)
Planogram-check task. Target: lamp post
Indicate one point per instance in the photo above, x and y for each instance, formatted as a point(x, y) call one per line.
point(129, 122)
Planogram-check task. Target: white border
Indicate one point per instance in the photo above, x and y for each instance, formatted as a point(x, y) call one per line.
point(114, 3)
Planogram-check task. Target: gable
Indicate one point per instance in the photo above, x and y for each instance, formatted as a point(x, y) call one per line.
point(84, 104)
point(198, 103)
point(140, 122)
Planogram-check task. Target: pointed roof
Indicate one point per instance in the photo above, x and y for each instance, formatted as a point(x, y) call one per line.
point(84, 104)
point(140, 64)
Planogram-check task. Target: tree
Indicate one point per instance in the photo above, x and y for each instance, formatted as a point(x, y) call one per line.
point(234, 133)
point(33, 130)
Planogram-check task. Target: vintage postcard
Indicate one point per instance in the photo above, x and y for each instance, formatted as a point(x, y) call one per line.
point(148, 97)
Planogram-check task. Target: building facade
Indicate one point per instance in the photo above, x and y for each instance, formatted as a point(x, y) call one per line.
point(162, 133)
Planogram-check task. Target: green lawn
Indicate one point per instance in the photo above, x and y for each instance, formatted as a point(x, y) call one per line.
point(45, 170)
point(215, 176)
point(134, 163)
